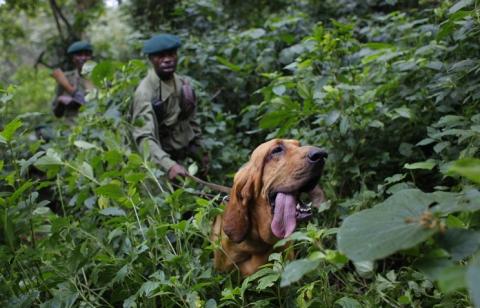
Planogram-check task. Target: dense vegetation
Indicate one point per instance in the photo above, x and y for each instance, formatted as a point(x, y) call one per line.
point(390, 88)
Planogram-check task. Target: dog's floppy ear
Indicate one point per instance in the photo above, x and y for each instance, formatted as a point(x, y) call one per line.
point(246, 187)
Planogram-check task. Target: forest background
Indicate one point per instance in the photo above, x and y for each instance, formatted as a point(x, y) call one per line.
point(390, 88)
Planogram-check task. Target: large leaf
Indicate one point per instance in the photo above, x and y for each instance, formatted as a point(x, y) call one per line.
point(460, 243)
point(51, 159)
point(473, 281)
point(296, 269)
point(467, 201)
point(347, 302)
point(10, 129)
point(111, 190)
point(104, 70)
point(467, 167)
point(397, 223)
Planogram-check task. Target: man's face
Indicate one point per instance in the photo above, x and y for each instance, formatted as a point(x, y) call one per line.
point(79, 59)
point(164, 63)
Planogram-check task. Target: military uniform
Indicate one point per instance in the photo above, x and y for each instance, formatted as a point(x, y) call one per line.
point(171, 134)
point(81, 84)
point(67, 104)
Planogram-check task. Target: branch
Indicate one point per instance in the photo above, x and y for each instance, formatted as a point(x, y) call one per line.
point(40, 61)
point(58, 11)
point(54, 12)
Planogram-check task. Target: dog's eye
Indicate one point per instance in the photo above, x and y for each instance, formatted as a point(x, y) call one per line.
point(277, 150)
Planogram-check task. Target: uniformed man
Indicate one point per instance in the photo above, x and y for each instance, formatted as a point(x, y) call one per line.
point(163, 112)
point(71, 85)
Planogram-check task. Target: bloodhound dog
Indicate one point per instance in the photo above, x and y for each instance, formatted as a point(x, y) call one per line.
point(265, 205)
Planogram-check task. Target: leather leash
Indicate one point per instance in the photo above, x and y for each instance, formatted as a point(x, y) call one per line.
point(213, 186)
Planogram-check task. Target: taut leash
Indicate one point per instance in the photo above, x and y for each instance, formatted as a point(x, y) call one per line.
point(213, 186)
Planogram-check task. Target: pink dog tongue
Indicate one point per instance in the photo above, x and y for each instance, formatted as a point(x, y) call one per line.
point(284, 216)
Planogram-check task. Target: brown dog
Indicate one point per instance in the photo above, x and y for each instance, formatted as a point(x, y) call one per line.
point(264, 203)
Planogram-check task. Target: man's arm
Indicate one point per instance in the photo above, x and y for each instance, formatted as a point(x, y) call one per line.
point(144, 131)
point(62, 80)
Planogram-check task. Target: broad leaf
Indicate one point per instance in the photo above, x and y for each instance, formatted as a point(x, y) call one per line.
point(452, 278)
point(111, 190)
point(427, 165)
point(473, 281)
point(296, 270)
point(10, 129)
point(460, 243)
point(396, 224)
point(347, 302)
point(467, 167)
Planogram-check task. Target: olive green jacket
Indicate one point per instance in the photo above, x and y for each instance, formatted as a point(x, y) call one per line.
point(81, 84)
point(172, 134)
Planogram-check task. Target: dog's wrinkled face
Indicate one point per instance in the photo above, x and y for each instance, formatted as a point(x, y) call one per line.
point(266, 191)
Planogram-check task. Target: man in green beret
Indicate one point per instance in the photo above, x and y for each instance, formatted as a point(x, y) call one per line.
point(163, 111)
point(72, 85)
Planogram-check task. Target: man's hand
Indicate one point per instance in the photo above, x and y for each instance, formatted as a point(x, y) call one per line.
point(78, 97)
point(177, 170)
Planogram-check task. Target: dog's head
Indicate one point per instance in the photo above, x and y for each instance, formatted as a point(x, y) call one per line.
point(265, 197)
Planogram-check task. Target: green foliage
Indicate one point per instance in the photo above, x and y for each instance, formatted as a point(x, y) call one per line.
point(34, 91)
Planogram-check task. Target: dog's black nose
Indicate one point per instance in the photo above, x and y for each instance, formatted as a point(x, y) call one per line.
point(316, 155)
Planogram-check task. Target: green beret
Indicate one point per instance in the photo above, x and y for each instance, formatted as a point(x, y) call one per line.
point(79, 46)
point(161, 42)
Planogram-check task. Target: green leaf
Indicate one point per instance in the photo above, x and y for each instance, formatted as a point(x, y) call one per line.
point(254, 33)
point(344, 125)
point(83, 145)
point(427, 165)
point(20, 192)
point(275, 118)
point(148, 287)
point(393, 225)
point(452, 278)
point(86, 170)
point(193, 168)
point(296, 270)
point(228, 64)
point(111, 190)
point(468, 201)
point(459, 5)
point(10, 129)
point(113, 211)
point(279, 90)
point(348, 302)
point(211, 303)
point(366, 269)
point(103, 70)
point(267, 281)
point(467, 167)
point(473, 281)
point(134, 177)
point(379, 46)
point(404, 112)
point(460, 243)
point(8, 229)
point(332, 117)
point(52, 158)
